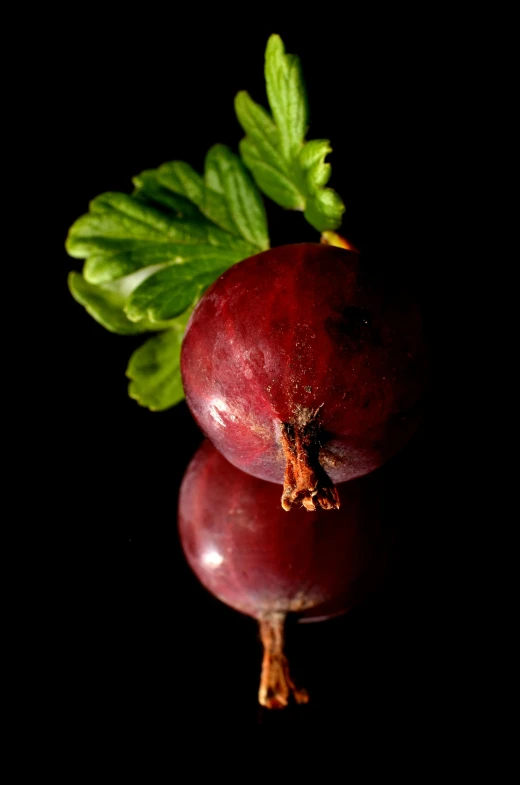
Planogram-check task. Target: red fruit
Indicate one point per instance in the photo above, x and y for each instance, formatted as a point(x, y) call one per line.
point(250, 555)
point(303, 369)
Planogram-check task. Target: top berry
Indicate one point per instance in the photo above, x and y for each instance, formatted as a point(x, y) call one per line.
point(304, 370)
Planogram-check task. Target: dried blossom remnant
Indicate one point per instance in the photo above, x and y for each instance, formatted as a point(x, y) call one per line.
point(305, 480)
point(276, 685)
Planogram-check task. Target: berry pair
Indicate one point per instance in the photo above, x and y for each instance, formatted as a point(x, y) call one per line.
point(303, 370)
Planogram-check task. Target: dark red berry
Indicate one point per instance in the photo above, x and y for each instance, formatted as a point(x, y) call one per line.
point(253, 557)
point(303, 369)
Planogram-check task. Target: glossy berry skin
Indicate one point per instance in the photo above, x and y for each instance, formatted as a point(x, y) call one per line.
point(301, 334)
point(254, 557)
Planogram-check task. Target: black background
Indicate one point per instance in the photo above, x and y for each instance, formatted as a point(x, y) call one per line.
point(148, 646)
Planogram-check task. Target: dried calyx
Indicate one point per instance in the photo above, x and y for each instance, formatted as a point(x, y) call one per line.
point(276, 685)
point(305, 481)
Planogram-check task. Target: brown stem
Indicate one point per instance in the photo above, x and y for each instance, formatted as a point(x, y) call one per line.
point(276, 685)
point(305, 480)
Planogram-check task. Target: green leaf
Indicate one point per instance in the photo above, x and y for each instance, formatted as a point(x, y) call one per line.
point(261, 131)
point(226, 195)
point(121, 235)
point(287, 96)
point(289, 170)
point(148, 189)
point(106, 305)
point(273, 181)
point(149, 257)
point(168, 292)
point(161, 223)
point(324, 210)
point(312, 161)
point(224, 173)
point(154, 369)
